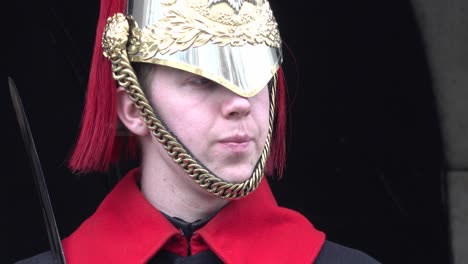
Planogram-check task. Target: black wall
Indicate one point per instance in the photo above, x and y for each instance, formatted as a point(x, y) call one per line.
point(365, 157)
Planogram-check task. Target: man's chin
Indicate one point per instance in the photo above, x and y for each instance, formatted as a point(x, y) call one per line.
point(235, 175)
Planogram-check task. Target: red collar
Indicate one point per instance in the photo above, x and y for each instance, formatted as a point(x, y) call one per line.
point(126, 228)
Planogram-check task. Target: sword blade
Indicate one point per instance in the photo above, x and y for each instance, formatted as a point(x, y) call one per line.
point(47, 212)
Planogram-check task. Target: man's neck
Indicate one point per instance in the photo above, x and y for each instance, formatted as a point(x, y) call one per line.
point(177, 195)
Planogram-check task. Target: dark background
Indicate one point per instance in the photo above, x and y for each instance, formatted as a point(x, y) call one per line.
point(365, 158)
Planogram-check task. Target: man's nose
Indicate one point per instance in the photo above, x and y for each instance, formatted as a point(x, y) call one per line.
point(235, 106)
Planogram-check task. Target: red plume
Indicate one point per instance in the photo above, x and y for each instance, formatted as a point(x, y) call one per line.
point(97, 145)
point(277, 158)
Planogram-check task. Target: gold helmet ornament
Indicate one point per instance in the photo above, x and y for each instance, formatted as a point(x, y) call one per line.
point(235, 43)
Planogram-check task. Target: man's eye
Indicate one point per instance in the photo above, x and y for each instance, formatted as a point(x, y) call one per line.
point(203, 82)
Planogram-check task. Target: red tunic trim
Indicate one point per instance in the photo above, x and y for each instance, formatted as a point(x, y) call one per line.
point(126, 228)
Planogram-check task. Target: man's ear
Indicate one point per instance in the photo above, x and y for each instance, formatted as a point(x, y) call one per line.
point(129, 115)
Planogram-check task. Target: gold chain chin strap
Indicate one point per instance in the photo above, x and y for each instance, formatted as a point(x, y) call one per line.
point(114, 45)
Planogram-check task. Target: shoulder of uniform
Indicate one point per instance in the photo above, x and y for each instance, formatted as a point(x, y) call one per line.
point(333, 253)
point(42, 258)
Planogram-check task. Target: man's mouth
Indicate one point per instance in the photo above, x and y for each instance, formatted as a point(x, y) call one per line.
point(237, 143)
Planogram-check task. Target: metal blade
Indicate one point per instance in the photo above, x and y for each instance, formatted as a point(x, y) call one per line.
point(47, 212)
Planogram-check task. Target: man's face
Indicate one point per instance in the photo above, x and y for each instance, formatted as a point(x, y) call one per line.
point(224, 131)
